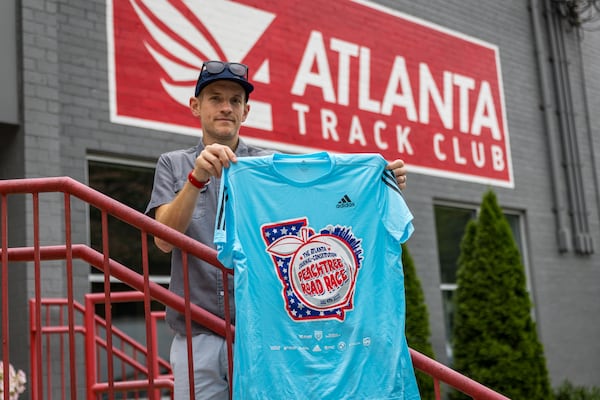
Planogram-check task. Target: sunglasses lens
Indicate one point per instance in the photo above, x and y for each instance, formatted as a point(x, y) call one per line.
point(214, 67)
point(238, 69)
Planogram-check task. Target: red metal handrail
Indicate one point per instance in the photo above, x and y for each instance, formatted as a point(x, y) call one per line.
point(94, 341)
point(111, 268)
point(138, 361)
point(124, 274)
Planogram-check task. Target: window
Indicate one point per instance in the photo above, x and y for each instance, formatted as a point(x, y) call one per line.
point(130, 183)
point(450, 223)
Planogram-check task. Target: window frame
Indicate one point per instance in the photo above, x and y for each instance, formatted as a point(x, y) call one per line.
point(98, 277)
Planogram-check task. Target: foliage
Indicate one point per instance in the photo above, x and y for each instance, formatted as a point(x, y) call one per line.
point(567, 391)
point(417, 321)
point(495, 338)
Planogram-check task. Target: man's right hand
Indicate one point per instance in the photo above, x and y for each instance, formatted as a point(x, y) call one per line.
point(212, 160)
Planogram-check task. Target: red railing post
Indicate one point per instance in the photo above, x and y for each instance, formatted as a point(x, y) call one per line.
point(5, 330)
point(90, 347)
point(151, 350)
point(38, 285)
point(70, 307)
point(153, 344)
point(34, 336)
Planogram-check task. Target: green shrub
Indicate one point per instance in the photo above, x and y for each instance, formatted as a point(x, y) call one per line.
point(567, 391)
point(495, 338)
point(417, 321)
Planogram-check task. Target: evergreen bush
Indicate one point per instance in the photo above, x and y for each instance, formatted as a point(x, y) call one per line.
point(568, 391)
point(417, 321)
point(495, 339)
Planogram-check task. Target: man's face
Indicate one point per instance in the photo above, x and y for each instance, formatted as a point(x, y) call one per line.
point(222, 108)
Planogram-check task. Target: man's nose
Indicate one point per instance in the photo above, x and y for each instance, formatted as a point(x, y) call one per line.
point(226, 107)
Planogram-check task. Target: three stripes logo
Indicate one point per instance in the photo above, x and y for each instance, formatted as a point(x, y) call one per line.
point(345, 202)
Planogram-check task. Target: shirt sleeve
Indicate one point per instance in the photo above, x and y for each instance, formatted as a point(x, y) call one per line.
point(165, 188)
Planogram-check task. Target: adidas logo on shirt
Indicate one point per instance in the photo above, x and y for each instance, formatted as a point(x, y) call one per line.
point(345, 202)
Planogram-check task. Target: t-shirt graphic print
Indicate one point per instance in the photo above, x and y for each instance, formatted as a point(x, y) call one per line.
point(314, 241)
point(317, 270)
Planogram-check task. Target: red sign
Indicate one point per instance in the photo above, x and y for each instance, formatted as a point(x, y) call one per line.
point(336, 75)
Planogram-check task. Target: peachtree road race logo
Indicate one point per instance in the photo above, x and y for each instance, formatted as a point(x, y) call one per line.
point(336, 75)
point(317, 271)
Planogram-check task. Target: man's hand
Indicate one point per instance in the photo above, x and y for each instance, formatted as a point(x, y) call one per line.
point(212, 160)
point(399, 170)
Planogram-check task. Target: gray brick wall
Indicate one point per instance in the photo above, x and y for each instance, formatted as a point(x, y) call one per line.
point(66, 117)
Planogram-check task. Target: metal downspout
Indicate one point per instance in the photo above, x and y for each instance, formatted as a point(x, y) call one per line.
point(563, 233)
point(590, 138)
point(566, 120)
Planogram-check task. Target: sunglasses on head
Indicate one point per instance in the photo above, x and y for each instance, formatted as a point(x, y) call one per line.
point(216, 67)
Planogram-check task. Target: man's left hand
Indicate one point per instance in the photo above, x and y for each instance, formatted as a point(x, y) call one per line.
point(399, 170)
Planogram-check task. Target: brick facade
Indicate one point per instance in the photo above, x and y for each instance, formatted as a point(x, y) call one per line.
point(65, 107)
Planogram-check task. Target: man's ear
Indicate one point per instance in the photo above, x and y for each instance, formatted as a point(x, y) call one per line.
point(195, 106)
point(246, 111)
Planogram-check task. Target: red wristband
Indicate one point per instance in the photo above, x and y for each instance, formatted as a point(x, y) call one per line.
point(195, 181)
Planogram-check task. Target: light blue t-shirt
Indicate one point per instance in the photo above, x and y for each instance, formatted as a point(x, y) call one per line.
point(314, 241)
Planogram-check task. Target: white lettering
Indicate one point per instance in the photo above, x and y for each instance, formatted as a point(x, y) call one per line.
point(399, 76)
point(314, 53)
point(329, 125)
point(440, 155)
point(428, 89)
point(497, 158)
point(404, 145)
point(479, 152)
point(356, 132)
point(465, 84)
point(345, 50)
point(439, 93)
point(301, 109)
point(364, 83)
point(457, 157)
point(485, 113)
point(377, 128)
point(478, 156)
